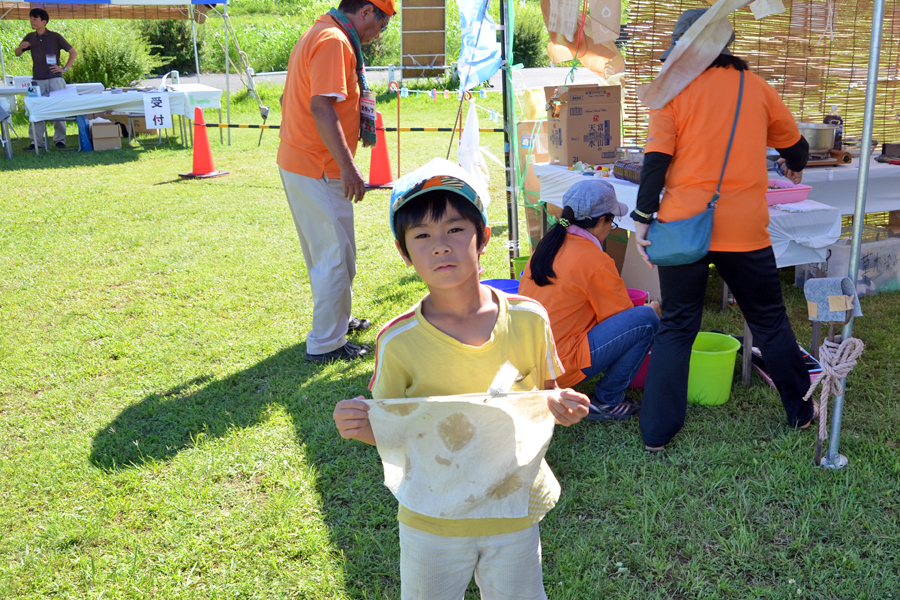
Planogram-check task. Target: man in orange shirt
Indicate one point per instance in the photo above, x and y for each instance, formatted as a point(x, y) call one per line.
point(686, 147)
point(321, 125)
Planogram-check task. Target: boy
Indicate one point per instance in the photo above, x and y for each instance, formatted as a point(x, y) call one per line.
point(454, 342)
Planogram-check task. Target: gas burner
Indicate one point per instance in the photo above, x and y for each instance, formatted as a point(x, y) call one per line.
point(825, 156)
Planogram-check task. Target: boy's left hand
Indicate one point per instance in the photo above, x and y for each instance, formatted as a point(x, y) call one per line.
point(568, 406)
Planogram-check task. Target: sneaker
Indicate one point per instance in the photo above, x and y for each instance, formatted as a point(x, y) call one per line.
point(358, 324)
point(30, 147)
point(619, 412)
point(61, 145)
point(348, 351)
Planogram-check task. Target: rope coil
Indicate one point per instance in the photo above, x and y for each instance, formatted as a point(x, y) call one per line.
point(837, 361)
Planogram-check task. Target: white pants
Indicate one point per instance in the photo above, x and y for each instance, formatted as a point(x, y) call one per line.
point(324, 221)
point(506, 566)
point(37, 131)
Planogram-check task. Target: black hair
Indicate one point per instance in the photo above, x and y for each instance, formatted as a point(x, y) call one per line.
point(723, 61)
point(40, 13)
point(545, 254)
point(351, 7)
point(431, 206)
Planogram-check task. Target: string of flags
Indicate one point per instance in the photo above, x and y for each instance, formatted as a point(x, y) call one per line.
point(434, 94)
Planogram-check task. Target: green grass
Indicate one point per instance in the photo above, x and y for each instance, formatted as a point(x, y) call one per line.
point(162, 436)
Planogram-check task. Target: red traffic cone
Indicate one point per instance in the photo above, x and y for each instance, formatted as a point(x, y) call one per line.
point(380, 165)
point(203, 162)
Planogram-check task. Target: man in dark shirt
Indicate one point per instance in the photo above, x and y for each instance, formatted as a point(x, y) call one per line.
point(45, 46)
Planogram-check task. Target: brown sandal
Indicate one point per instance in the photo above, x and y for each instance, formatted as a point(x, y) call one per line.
point(814, 417)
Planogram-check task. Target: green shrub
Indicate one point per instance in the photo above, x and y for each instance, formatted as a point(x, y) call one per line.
point(530, 38)
point(172, 42)
point(111, 54)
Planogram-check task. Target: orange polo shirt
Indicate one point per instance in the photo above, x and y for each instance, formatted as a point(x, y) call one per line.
point(587, 289)
point(322, 63)
point(694, 128)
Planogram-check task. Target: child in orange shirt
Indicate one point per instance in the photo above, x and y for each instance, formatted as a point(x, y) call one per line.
point(594, 323)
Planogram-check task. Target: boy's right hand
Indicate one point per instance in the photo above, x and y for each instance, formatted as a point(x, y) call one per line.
point(352, 420)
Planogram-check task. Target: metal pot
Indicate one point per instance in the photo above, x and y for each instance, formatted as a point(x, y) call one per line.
point(819, 135)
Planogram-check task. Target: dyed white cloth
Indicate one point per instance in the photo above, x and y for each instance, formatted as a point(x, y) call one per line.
point(564, 17)
point(764, 8)
point(469, 153)
point(465, 457)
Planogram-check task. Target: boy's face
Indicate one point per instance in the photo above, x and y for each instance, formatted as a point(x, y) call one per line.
point(445, 252)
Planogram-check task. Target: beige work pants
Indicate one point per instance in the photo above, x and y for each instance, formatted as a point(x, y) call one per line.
point(324, 221)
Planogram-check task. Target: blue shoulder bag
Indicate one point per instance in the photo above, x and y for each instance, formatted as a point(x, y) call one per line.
point(687, 241)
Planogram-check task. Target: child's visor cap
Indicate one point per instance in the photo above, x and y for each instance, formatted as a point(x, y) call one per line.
point(438, 174)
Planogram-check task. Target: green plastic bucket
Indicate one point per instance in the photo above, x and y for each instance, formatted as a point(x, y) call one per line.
point(712, 368)
point(519, 265)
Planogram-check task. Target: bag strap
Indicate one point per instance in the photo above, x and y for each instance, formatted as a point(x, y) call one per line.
point(715, 198)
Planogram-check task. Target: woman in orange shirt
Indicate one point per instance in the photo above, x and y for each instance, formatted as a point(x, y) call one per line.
point(595, 325)
point(686, 146)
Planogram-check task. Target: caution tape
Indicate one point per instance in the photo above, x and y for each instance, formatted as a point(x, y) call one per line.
point(241, 126)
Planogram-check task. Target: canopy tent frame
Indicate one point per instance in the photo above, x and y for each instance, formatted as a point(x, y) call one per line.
point(118, 9)
point(833, 459)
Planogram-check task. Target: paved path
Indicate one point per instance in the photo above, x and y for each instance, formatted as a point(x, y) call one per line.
point(522, 78)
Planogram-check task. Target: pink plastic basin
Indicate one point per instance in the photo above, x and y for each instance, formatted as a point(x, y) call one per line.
point(641, 376)
point(638, 297)
point(788, 192)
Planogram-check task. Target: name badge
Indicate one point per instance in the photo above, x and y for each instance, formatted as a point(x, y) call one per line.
point(51, 59)
point(367, 118)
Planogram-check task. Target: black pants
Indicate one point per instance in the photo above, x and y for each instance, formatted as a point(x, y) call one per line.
point(753, 279)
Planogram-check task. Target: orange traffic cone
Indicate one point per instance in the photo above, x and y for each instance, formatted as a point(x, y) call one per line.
point(203, 162)
point(380, 165)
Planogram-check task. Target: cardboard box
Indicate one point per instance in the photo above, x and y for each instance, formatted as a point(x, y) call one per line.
point(879, 269)
point(105, 136)
point(138, 123)
point(584, 123)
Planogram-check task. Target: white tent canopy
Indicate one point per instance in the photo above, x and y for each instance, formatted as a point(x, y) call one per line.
point(113, 9)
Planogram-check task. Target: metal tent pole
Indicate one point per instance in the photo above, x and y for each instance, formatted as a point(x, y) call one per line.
point(194, 38)
point(833, 459)
point(509, 132)
point(227, 79)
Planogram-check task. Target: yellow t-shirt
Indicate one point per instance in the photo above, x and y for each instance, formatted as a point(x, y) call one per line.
point(414, 359)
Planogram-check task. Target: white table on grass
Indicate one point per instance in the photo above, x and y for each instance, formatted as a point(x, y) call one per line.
point(183, 99)
point(836, 186)
point(10, 93)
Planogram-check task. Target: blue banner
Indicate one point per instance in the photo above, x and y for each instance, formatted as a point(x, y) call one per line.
point(479, 53)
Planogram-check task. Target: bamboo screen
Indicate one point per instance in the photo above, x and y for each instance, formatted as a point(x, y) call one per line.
point(19, 11)
point(815, 54)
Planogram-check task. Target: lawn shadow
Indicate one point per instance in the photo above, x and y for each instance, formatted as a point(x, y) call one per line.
point(358, 510)
point(23, 160)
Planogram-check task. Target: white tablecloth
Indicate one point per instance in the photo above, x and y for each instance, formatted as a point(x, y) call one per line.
point(797, 238)
point(181, 102)
point(836, 186)
point(10, 92)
